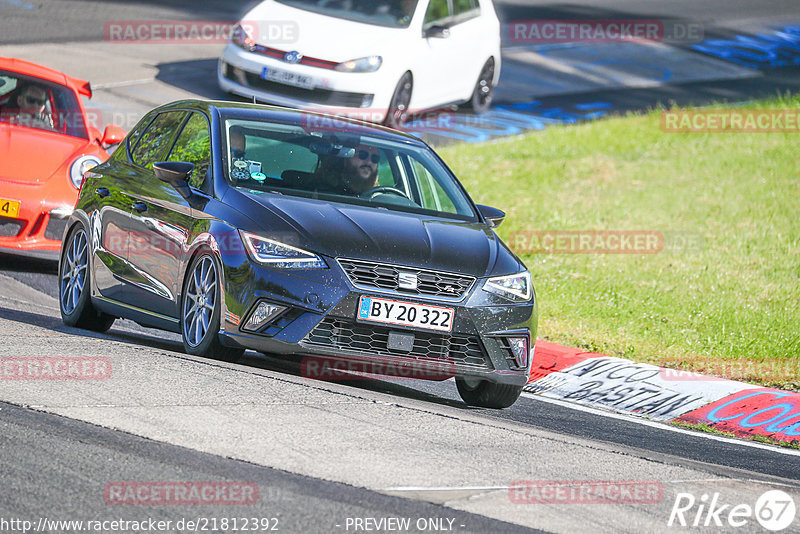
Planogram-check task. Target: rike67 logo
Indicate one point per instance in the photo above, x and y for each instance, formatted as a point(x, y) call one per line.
point(774, 510)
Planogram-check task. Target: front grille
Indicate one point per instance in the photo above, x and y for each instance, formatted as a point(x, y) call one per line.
point(317, 96)
point(339, 334)
point(10, 227)
point(383, 277)
point(305, 60)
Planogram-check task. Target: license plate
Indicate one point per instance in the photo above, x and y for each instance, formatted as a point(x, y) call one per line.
point(9, 208)
point(405, 314)
point(288, 78)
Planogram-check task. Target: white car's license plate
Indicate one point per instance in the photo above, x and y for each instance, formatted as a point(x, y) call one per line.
point(288, 78)
point(405, 314)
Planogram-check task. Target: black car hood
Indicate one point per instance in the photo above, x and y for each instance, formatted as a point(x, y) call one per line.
point(368, 233)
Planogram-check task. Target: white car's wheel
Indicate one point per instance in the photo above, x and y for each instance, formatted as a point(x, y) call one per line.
point(483, 93)
point(401, 99)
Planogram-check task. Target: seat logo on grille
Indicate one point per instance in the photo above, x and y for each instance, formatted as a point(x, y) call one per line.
point(293, 57)
point(407, 281)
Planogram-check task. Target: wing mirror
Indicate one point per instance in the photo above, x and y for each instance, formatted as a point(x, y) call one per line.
point(437, 31)
point(173, 172)
point(176, 173)
point(113, 135)
point(493, 216)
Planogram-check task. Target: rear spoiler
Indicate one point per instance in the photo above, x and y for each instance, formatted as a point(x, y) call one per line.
point(82, 86)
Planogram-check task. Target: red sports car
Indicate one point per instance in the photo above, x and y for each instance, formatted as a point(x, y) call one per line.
point(46, 144)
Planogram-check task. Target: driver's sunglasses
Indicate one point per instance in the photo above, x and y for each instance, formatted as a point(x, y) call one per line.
point(364, 155)
point(32, 101)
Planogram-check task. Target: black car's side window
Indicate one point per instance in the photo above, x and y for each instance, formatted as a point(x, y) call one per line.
point(194, 145)
point(156, 140)
point(136, 133)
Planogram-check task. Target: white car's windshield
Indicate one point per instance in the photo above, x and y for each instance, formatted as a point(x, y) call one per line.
point(341, 167)
point(389, 13)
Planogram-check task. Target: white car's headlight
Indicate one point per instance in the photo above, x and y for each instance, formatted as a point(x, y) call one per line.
point(275, 254)
point(80, 166)
point(364, 64)
point(242, 39)
point(516, 287)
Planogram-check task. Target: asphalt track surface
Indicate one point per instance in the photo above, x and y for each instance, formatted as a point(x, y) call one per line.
point(56, 465)
point(62, 443)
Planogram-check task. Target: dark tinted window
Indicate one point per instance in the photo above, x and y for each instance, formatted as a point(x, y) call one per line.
point(438, 13)
point(194, 145)
point(156, 140)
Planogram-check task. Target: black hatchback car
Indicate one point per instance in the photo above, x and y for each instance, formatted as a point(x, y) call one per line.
point(243, 226)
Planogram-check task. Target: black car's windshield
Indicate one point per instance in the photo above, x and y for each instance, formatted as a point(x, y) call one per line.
point(341, 167)
point(389, 13)
point(40, 104)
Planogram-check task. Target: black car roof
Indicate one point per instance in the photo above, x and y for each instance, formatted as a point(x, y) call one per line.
point(243, 110)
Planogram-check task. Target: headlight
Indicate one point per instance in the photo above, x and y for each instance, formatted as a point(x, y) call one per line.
point(515, 287)
point(268, 252)
point(80, 166)
point(242, 39)
point(365, 64)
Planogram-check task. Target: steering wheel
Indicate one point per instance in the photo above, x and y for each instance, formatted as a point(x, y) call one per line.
point(370, 193)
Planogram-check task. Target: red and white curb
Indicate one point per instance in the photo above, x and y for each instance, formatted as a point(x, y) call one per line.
point(660, 394)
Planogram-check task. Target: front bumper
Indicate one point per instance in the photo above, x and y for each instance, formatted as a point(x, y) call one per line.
point(38, 228)
point(320, 321)
point(363, 96)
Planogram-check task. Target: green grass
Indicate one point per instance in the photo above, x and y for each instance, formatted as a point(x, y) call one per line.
point(729, 306)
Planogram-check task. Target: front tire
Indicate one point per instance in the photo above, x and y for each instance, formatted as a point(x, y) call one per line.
point(74, 283)
point(483, 94)
point(200, 311)
point(401, 100)
point(485, 394)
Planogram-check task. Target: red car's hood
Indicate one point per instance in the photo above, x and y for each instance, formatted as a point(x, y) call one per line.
point(32, 156)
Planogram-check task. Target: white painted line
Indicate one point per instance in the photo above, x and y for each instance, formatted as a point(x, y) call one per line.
point(111, 85)
point(633, 419)
point(446, 488)
point(498, 488)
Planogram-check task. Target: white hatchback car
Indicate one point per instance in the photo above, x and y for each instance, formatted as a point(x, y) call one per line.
point(378, 60)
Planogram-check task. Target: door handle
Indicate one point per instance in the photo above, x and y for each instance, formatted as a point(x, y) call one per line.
point(102, 192)
point(139, 207)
